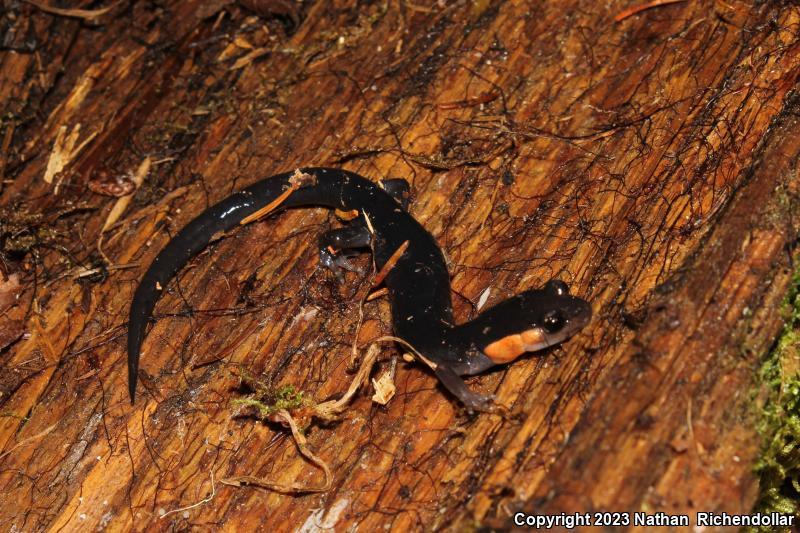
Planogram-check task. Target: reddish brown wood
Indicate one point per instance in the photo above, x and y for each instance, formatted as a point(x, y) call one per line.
point(651, 163)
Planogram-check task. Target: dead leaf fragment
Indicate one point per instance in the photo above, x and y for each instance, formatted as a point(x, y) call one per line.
point(122, 204)
point(384, 388)
point(10, 331)
point(249, 58)
point(64, 150)
point(10, 328)
point(9, 291)
point(115, 186)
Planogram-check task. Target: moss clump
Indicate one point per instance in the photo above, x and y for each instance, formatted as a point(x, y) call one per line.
point(267, 401)
point(779, 465)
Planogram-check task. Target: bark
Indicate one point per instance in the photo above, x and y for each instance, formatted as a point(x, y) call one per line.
point(649, 162)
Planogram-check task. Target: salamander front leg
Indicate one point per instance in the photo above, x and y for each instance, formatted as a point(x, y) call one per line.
point(472, 401)
point(335, 245)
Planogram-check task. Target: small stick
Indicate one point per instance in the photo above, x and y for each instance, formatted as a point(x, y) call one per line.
point(28, 440)
point(331, 409)
point(379, 277)
point(644, 7)
point(298, 179)
point(377, 294)
point(287, 488)
point(198, 504)
point(85, 14)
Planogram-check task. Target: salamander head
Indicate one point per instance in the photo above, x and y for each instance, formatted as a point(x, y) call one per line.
point(530, 321)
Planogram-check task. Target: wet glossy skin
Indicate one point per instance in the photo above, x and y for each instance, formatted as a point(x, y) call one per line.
point(418, 284)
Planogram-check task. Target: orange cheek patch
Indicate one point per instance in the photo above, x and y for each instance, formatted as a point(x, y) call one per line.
point(533, 338)
point(506, 349)
point(509, 348)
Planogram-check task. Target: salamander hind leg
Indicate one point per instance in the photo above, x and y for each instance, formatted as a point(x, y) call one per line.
point(337, 244)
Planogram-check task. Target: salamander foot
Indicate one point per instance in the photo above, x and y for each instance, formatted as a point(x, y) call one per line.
point(337, 244)
point(471, 400)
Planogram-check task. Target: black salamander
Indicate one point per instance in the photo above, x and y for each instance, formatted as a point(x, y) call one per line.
point(418, 284)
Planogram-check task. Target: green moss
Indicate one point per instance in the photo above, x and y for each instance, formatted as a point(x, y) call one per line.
point(779, 465)
point(267, 401)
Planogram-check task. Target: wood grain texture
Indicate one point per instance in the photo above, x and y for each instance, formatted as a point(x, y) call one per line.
point(650, 163)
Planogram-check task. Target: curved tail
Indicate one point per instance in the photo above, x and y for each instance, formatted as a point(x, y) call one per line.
point(221, 217)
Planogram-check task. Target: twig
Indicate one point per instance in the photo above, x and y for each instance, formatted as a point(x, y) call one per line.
point(28, 440)
point(328, 411)
point(85, 14)
point(198, 504)
point(287, 488)
point(644, 7)
point(331, 410)
point(298, 179)
point(389, 265)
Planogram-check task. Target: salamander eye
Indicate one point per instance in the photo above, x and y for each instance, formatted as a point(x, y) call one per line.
point(557, 286)
point(553, 321)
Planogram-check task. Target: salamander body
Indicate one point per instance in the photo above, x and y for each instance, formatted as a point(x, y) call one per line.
point(418, 283)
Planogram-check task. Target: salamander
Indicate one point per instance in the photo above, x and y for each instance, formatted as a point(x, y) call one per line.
point(418, 283)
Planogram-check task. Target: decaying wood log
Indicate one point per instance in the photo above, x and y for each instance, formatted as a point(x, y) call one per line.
point(650, 162)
